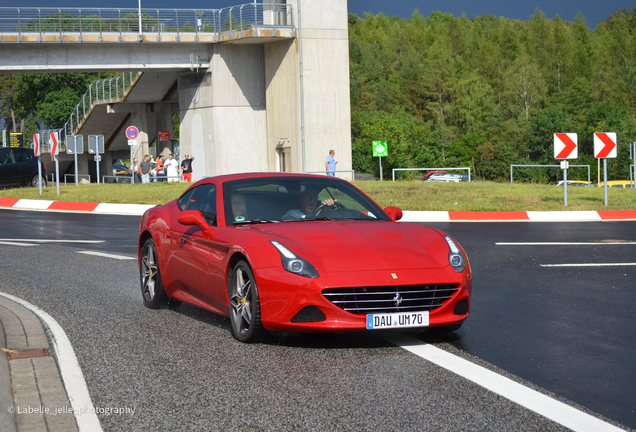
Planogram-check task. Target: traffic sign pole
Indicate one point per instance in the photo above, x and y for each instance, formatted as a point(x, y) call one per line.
point(605, 145)
point(132, 133)
point(565, 147)
point(380, 149)
point(55, 150)
point(565, 186)
point(36, 141)
point(605, 178)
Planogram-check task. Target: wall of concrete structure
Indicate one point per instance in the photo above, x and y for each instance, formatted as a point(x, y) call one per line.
point(243, 112)
point(325, 45)
point(223, 119)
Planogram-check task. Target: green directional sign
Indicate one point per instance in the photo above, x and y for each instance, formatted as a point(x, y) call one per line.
point(380, 148)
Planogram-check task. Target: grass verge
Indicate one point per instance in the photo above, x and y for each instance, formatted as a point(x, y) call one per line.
point(408, 195)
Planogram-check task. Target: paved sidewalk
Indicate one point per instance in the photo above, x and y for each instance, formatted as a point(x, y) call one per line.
point(32, 396)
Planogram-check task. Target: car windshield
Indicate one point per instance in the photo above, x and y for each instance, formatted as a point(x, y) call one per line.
point(296, 199)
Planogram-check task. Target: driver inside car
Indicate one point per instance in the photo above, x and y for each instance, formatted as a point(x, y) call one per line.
point(309, 203)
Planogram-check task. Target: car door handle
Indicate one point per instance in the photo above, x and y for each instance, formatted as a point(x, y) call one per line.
point(168, 233)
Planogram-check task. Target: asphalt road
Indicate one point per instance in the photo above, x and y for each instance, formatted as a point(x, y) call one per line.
point(569, 330)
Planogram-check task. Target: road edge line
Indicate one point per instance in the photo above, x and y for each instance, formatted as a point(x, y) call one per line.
point(526, 397)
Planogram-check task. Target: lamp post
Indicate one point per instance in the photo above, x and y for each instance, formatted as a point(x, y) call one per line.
point(139, 13)
point(302, 96)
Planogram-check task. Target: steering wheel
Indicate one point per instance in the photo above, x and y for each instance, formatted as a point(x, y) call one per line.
point(336, 206)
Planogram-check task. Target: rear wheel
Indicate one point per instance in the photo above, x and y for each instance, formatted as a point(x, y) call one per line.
point(245, 309)
point(150, 277)
point(35, 181)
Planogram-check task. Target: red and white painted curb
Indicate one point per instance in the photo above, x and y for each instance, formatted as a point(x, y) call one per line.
point(518, 216)
point(409, 216)
point(104, 208)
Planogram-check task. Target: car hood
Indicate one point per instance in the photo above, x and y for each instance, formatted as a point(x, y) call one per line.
point(340, 246)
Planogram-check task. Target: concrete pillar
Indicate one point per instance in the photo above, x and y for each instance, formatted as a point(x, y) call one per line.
point(140, 120)
point(82, 161)
point(106, 166)
point(325, 45)
point(223, 118)
point(282, 80)
point(243, 113)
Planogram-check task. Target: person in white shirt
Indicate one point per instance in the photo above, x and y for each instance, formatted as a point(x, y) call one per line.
point(172, 169)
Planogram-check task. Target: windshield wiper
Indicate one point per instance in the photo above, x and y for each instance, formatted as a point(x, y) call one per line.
point(254, 222)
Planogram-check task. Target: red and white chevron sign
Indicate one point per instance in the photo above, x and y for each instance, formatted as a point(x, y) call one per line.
point(604, 145)
point(565, 146)
point(55, 149)
point(36, 144)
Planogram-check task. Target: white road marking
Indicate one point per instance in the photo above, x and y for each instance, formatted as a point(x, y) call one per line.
point(72, 375)
point(12, 243)
point(531, 399)
point(564, 243)
point(589, 265)
point(102, 254)
point(54, 241)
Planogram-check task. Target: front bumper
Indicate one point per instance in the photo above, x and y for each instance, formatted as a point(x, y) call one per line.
point(284, 295)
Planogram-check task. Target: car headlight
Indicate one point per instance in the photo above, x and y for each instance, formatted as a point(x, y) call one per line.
point(455, 257)
point(295, 264)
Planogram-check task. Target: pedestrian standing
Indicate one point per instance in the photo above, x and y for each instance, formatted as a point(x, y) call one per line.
point(330, 164)
point(144, 168)
point(161, 172)
point(172, 169)
point(136, 171)
point(186, 168)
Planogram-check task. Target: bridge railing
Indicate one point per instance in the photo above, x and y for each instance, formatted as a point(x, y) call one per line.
point(102, 91)
point(54, 23)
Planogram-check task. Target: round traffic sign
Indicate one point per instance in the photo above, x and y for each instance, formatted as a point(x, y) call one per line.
point(132, 132)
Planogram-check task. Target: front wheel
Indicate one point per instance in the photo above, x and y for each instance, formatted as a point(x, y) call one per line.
point(245, 309)
point(150, 277)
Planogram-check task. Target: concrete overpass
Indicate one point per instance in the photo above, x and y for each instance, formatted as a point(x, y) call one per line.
point(234, 75)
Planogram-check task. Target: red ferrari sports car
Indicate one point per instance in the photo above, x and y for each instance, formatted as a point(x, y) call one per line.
point(300, 253)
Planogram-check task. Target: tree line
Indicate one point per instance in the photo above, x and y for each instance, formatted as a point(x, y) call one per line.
point(489, 92)
point(484, 93)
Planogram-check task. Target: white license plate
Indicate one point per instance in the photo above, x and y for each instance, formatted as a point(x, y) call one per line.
point(397, 320)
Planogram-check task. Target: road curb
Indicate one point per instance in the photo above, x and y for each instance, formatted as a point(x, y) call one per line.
point(518, 216)
point(409, 216)
point(31, 389)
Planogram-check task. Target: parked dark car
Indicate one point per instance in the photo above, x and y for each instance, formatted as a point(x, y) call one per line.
point(19, 167)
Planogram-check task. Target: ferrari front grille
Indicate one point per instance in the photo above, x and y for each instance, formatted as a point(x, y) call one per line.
point(387, 299)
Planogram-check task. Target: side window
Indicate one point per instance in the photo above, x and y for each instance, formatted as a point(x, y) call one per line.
point(202, 198)
point(22, 155)
point(6, 157)
point(183, 201)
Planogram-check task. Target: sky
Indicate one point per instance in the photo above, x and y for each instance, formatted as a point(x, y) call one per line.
point(593, 10)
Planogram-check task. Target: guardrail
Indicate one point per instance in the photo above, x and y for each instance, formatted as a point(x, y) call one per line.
point(128, 179)
point(78, 175)
point(51, 24)
point(551, 166)
point(432, 169)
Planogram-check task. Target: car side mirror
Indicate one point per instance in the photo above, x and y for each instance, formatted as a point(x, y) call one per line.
point(394, 213)
point(193, 217)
